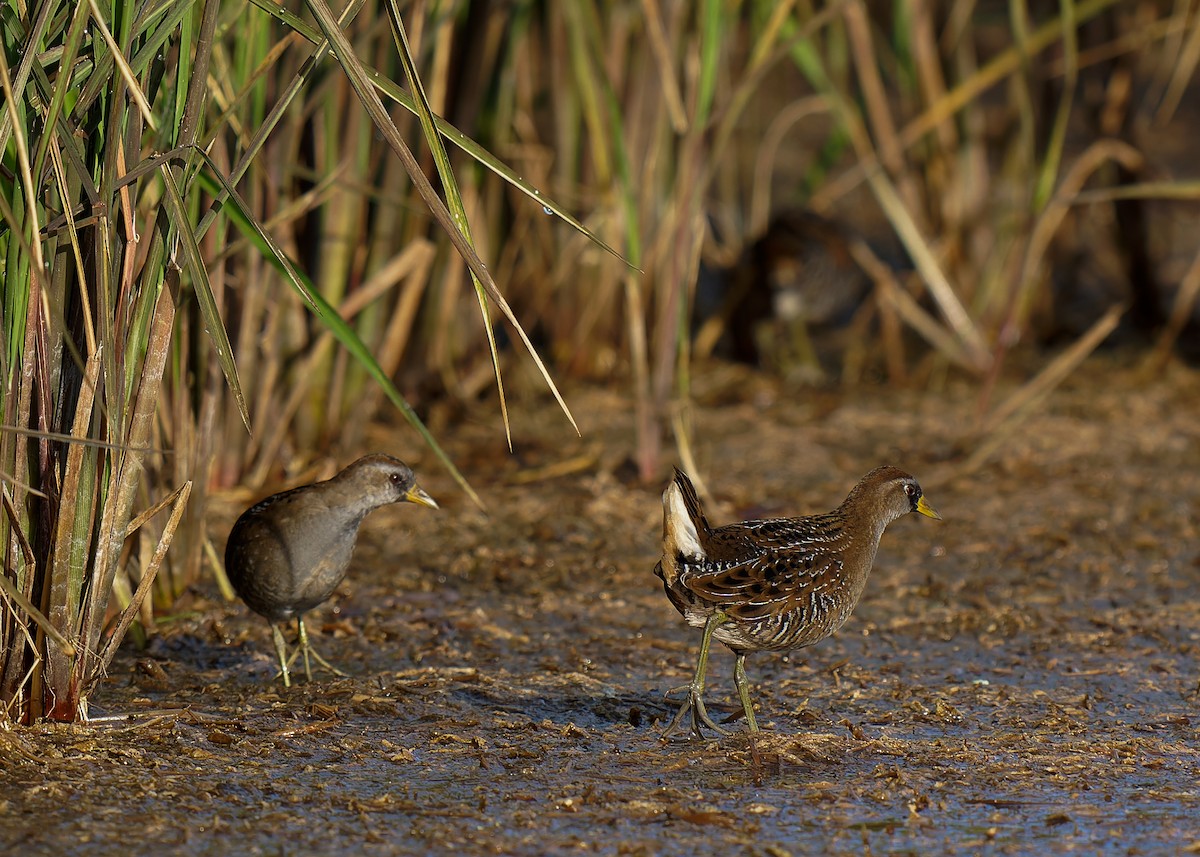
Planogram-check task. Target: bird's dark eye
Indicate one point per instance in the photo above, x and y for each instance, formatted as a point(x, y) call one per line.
point(910, 489)
point(396, 478)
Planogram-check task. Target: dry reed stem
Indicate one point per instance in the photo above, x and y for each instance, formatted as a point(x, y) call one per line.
point(1181, 312)
point(1051, 218)
point(887, 143)
point(126, 477)
point(645, 416)
point(1008, 417)
point(179, 500)
point(413, 268)
point(218, 569)
point(1181, 78)
point(681, 421)
point(764, 164)
point(972, 344)
point(662, 57)
point(930, 77)
point(888, 292)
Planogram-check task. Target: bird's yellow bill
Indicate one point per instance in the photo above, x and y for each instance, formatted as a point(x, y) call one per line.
point(416, 495)
point(928, 511)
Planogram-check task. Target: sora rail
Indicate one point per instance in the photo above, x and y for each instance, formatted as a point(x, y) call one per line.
point(772, 585)
point(287, 553)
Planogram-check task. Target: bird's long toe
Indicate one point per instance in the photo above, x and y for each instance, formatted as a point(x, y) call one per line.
point(693, 704)
point(311, 653)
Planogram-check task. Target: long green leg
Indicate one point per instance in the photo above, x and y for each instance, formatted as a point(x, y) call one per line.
point(693, 701)
point(743, 688)
point(281, 651)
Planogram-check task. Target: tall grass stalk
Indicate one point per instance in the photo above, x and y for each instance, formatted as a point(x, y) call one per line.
point(91, 293)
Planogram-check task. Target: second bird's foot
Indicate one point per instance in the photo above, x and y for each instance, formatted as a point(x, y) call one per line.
point(316, 656)
point(310, 653)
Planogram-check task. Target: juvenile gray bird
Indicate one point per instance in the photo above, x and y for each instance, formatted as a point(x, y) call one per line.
point(287, 553)
point(772, 585)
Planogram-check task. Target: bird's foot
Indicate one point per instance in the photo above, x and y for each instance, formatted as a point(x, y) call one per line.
point(316, 656)
point(309, 653)
point(693, 703)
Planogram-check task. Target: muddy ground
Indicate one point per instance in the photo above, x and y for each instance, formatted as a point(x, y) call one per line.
point(1021, 677)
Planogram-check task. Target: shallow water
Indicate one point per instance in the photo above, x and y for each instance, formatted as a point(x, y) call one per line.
point(1019, 678)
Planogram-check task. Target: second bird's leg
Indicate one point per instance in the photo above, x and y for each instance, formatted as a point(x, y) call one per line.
point(743, 689)
point(281, 652)
point(693, 701)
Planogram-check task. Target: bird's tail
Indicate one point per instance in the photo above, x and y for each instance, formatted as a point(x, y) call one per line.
point(685, 529)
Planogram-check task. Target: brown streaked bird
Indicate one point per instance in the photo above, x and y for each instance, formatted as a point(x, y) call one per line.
point(287, 553)
point(772, 585)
